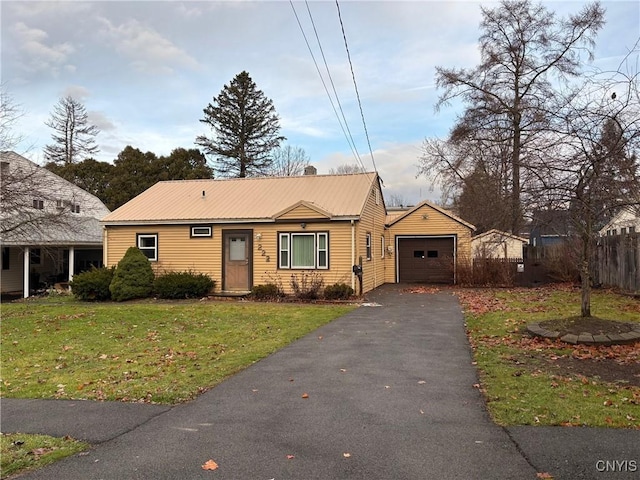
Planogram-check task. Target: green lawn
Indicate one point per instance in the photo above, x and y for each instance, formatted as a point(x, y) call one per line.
point(536, 382)
point(22, 452)
point(160, 352)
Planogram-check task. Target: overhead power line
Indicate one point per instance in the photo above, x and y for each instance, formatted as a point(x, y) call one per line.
point(353, 76)
point(345, 128)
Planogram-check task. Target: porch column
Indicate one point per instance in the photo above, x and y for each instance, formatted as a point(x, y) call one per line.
point(26, 262)
point(72, 262)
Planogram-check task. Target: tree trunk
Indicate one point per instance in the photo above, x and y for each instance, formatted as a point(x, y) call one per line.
point(585, 276)
point(515, 166)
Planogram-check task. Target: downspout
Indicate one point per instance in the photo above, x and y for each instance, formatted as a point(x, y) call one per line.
point(105, 245)
point(353, 254)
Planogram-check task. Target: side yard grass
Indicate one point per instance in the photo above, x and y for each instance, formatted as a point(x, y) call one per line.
point(158, 352)
point(530, 381)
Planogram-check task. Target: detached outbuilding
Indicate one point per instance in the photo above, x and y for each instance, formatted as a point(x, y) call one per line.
point(498, 244)
point(252, 231)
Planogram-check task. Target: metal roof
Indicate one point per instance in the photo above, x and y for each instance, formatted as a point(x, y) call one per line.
point(245, 199)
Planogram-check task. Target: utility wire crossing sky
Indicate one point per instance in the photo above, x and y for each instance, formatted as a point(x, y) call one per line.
point(145, 70)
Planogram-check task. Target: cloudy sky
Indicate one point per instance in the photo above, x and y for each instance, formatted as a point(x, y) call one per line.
point(146, 69)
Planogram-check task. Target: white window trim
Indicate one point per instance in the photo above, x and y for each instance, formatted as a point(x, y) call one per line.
point(207, 228)
point(315, 250)
point(325, 250)
point(367, 246)
point(141, 236)
point(289, 251)
point(382, 246)
point(281, 250)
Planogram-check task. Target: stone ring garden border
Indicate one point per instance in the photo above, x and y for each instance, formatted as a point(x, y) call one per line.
point(633, 336)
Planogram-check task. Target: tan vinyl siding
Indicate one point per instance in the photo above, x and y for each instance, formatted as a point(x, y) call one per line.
point(177, 251)
point(266, 265)
point(436, 223)
point(302, 212)
point(371, 221)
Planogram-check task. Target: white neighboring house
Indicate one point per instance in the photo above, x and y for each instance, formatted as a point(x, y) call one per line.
point(50, 227)
point(625, 221)
point(497, 244)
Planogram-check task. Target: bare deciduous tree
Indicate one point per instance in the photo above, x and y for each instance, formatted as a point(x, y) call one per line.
point(10, 113)
point(346, 168)
point(594, 170)
point(396, 200)
point(29, 207)
point(288, 161)
point(511, 95)
point(73, 136)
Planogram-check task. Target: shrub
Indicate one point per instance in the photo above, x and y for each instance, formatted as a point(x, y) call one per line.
point(338, 291)
point(182, 285)
point(93, 285)
point(268, 291)
point(306, 286)
point(133, 277)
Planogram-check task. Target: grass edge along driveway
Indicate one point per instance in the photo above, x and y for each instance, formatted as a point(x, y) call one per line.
point(526, 381)
point(156, 352)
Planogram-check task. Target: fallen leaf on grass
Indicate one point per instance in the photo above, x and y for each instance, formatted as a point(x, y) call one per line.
point(41, 451)
point(290, 457)
point(305, 395)
point(421, 382)
point(544, 475)
point(346, 455)
point(210, 465)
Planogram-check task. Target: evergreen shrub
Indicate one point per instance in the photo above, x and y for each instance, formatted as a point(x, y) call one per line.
point(268, 291)
point(133, 277)
point(338, 291)
point(93, 285)
point(177, 285)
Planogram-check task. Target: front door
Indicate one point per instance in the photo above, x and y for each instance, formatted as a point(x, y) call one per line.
point(237, 261)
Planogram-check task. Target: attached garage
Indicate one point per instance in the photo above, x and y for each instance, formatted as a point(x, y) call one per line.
point(426, 259)
point(429, 243)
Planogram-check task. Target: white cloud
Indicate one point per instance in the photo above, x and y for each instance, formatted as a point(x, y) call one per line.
point(38, 55)
point(76, 91)
point(148, 50)
point(101, 121)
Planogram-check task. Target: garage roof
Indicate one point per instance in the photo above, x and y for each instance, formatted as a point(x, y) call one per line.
point(395, 218)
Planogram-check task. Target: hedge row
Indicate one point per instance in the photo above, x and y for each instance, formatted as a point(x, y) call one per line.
point(134, 278)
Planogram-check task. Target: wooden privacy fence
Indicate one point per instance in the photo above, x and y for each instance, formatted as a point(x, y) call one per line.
point(527, 272)
point(618, 262)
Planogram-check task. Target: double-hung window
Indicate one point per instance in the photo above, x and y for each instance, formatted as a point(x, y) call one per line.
point(148, 244)
point(368, 246)
point(307, 251)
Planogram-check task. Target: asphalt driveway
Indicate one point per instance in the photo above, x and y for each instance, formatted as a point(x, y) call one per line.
point(389, 392)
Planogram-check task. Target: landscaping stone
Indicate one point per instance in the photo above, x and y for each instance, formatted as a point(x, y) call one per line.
point(601, 339)
point(630, 336)
point(570, 338)
point(615, 338)
point(585, 338)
